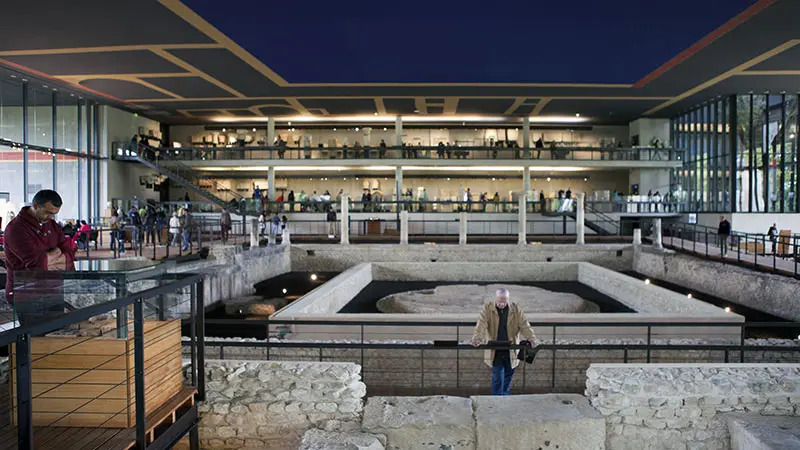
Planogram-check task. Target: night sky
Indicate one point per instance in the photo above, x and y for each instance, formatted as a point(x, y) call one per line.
point(580, 41)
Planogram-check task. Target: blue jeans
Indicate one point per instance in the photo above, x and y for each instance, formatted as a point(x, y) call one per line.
point(186, 238)
point(501, 377)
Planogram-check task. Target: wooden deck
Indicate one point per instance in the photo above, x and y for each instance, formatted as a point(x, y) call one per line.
point(64, 438)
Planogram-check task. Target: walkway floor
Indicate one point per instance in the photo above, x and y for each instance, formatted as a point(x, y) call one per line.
point(769, 261)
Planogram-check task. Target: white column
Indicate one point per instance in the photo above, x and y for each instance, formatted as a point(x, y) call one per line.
point(404, 227)
point(398, 183)
point(580, 224)
point(462, 228)
point(285, 239)
point(398, 132)
point(526, 182)
point(526, 135)
point(253, 233)
point(523, 221)
point(637, 236)
point(657, 241)
point(270, 131)
point(345, 220)
point(271, 183)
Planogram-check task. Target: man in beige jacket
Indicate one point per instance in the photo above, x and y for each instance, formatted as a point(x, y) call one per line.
point(501, 320)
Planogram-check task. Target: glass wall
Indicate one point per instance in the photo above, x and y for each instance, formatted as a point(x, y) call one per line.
point(745, 145)
point(44, 145)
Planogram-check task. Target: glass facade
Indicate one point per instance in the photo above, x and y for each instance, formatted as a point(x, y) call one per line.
point(741, 154)
point(47, 141)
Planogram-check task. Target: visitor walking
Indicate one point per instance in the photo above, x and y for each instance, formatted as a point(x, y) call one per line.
point(773, 236)
point(502, 322)
point(724, 232)
point(175, 229)
point(188, 226)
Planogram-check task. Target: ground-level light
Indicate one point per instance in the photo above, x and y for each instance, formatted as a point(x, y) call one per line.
point(313, 277)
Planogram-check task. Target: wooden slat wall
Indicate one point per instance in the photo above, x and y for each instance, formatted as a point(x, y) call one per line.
point(89, 382)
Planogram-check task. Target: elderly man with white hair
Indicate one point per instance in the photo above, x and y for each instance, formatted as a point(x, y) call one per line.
point(501, 320)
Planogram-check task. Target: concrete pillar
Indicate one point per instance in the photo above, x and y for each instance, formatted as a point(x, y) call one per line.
point(270, 236)
point(526, 135)
point(462, 228)
point(398, 184)
point(404, 227)
point(526, 182)
point(270, 131)
point(398, 132)
point(271, 183)
point(523, 221)
point(345, 220)
point(657, 241)
point(285, 239)
point(253, 233)
point(637, 236)
point(580, 223)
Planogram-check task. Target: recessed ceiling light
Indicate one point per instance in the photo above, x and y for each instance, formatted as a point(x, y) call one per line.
point(13, 76)
point(647, 281)
point(727, 309)
point(384, 128)
point(548, 178)
point(448, 178)
point(223, 130)
point(254, 130)
point(284, 290)
point(416, 111)
point(334, 129)
point(313, 277)
point(376, 114)
point(356, 128)
point(290, 123)
point(577, 114)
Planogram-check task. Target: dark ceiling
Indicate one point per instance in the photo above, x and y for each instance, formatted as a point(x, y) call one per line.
point(609, 61)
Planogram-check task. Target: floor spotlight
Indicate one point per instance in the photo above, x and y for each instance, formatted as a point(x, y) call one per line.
point(313, 277)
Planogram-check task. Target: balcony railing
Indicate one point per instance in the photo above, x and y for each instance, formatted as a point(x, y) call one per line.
point(421, 152)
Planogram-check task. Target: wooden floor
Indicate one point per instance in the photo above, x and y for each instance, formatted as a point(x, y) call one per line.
point(63, 438)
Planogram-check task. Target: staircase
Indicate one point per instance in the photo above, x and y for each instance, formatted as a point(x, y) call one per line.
point(225, 198)
point(602, 224)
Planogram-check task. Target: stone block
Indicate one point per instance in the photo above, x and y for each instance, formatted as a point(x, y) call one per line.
point(564, 421)
point(756, 432)
point(413, 423)
point(328, 440)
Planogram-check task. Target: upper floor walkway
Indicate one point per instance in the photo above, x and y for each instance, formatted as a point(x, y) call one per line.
point(418, 156)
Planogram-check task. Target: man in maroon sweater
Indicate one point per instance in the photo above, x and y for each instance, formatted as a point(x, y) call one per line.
point(34, 241)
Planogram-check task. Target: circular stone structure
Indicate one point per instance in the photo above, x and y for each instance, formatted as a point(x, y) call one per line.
point(466, 298)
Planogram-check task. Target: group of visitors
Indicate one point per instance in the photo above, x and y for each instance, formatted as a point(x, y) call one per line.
point(271, 226)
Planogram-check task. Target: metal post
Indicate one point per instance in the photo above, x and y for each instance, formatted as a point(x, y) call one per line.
point(138, 372)
point(121, 290)
point(25, 141)
point(193, 331)
point(553, 366)
point(24, 393)
point(201, 342)
point(649, 335)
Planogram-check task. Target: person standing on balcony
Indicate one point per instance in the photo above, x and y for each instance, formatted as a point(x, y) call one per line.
point(382, 149)
point(188, 227)
point(503, 322)
point(257, 196)
point(34, 241)
point(225, 225)
point(291, 201)
point(724, 232)
point(331, 218)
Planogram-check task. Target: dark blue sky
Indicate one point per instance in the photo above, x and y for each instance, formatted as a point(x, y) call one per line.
point(602, 41)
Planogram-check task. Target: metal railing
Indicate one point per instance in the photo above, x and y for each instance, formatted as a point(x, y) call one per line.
point(103, 298)
point(212, 153)
point(553, 343)
point(779, 254)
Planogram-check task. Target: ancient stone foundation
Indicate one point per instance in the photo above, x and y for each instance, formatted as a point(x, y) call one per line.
point(269, 405)
point(672, 406)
